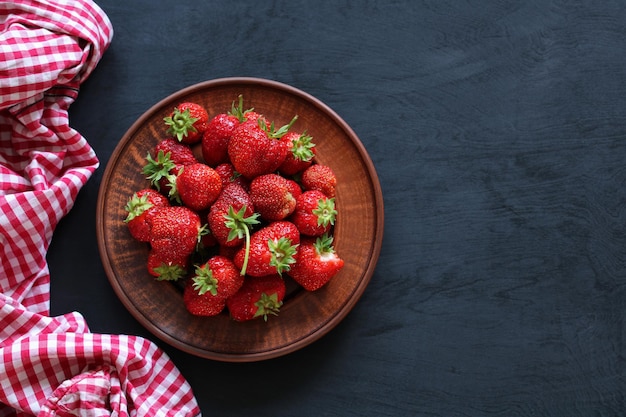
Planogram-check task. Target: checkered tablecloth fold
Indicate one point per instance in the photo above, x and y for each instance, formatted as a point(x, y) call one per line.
point(54, 366)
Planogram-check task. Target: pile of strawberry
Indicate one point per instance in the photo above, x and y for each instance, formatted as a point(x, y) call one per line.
point(232, 224)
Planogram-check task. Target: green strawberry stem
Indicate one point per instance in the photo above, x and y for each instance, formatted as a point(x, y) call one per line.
point(202, 232)
point(238, 111)
point(156, 169)
point(204, 281)
point(173, 194)
point(246, 256)
point(324, 245)
point(239, 226)
point(272, 133)
point(136, 206)
point(169, 272)
point(180, 123)
point(302, 148)
point(267, 304)
point(325, 212)
point(282, 254)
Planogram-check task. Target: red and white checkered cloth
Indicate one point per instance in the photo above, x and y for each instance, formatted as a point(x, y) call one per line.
point(54, 366)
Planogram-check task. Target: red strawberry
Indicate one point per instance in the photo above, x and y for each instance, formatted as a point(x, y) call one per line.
point(175, 232)
point(218, 276)
point(198, 186)
point(250, 116)
point(204, 246)
point(319, 177)
point(227, 251)
point(244, 116)
point(167, 270)
point(218, 132)
point(165, 162)
point(139, 208)
point(216, 137)
point(272, 198)
point(231, 216)
point(205, 305)
point(271, 250)
point(187, 122)
point(255, 149)
point(159, 170)
point(294, 188)
point(316, 263)
point(300, 155)
point(228, 174)
point(207, 240)
point(257, 297)
point(179, 153)
point(314, 214)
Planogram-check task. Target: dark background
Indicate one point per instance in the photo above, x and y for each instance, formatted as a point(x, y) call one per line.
point(497, 129)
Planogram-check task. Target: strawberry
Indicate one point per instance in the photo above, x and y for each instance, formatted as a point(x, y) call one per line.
point(164, 164)
point(271, 250)
point(179, 153)
point(228, 174)
point(236, 195)
point(160, 171)
point(167, 270)
point(205, 246)
point(187, 122)
point(139, 208)
point(207, 240)
point(257, 297)
point(231, 216)
point(300, 155)
point(319, 177)
point(255, 149)
point(314, 214)
point(294, 187)
point(316, 262)
point(175, 232)
point(250, 116)
point(205, 305)
point(217, 276)
point(198, 186)
point(227, 251)
point(218, 132)
point(271, 196)
point(216, 137)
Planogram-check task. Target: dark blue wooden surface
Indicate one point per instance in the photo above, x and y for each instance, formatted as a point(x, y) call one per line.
point(498, 131)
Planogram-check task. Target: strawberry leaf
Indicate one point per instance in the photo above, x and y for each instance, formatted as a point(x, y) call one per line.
point(203, 231)
point(169, 272)
point(271, 131)
point(180, 123)
point(156, 169)
point(239, 226)
point(325, 211)
point(238, 111)
point(173, 194)
point(302, 148)
point(282, 254)
point(204, 281)
point(136, 206)
point(324, 245)
point(267, 304)
point(238, 223)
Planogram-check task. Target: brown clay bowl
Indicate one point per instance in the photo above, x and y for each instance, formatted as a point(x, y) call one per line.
point(305, 316)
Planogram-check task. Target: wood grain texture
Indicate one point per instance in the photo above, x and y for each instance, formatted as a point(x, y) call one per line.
point(498, 131)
